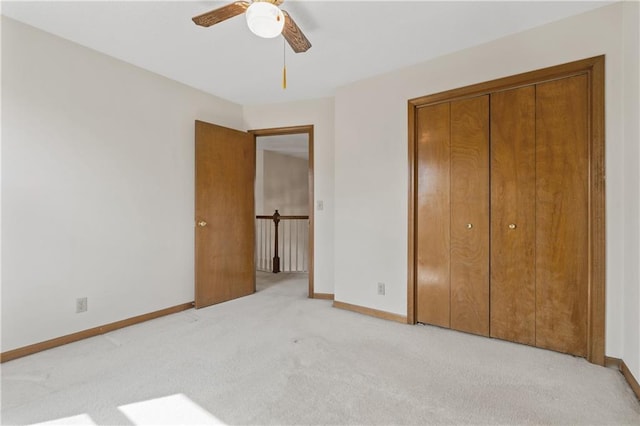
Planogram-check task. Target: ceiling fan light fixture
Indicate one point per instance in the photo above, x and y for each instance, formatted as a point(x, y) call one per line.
point(265, 19)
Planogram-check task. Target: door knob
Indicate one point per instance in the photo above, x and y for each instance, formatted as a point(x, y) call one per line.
point(512, 226)
point(469, 225)
point(202, 223)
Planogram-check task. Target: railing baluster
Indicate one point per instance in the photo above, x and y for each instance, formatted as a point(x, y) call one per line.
point(299, 267)
point(276, 258)
point(269, 247)
point(297, 245)
point(306, 242)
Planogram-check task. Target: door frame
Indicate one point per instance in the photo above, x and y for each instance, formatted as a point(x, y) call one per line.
point(293, 130)
point(594, 69)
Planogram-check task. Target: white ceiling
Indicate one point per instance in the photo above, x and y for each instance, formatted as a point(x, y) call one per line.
point(352, 40)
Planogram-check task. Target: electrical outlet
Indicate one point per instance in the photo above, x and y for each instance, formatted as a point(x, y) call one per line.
point(320, 205)
point(381, 289)
point(81, 305)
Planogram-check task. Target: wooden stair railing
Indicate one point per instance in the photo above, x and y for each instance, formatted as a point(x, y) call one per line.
point(275, 261)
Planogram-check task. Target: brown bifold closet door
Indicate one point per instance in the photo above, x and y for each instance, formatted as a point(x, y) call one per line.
point(432, 215)
point(507, 205)
point(470, 215)
point(562, 208)
point(513, 220)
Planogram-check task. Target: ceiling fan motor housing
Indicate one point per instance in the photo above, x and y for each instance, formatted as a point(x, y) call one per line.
point(265, 19)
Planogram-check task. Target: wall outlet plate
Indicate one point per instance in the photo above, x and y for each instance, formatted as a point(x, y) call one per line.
point(81, 305)
point(381, 289)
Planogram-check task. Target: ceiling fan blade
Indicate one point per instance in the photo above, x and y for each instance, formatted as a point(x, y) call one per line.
point(221, 14)
point(291, 32)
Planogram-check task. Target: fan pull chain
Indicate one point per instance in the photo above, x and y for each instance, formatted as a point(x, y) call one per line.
point(284, 64)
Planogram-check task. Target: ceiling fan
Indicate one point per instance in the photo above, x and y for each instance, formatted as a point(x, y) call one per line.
point(264, 18)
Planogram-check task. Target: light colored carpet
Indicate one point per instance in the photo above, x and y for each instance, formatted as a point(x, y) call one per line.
point(277, 357)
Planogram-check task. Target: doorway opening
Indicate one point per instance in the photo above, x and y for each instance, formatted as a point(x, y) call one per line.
point(284, 206)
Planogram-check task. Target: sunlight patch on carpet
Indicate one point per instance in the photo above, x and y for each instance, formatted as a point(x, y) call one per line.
point(176, 409)
point(80, 419)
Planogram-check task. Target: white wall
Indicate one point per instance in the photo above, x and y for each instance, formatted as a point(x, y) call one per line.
point(97, 185)
point(320, 113)
point(285, 184)
point(371, 159)
point(631, 330)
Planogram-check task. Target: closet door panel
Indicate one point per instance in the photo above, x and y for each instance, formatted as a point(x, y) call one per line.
point(433, 214)
point(470, 215)
point(513, 193)
point(562, 215)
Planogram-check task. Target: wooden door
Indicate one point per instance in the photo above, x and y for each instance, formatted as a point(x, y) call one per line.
point(224, 232)
point(433, 211)
point(562, 214)
point(470, 215)
point(513, 220)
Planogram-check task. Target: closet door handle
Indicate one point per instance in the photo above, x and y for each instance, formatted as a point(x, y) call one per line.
point(512, 226)
point(469, 225)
